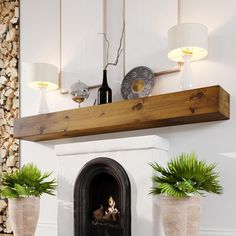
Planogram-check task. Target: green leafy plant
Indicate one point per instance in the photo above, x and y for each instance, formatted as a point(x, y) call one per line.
point(185, 176)
point(27, 182)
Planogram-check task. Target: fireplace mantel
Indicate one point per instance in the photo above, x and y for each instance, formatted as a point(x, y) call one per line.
point(185, 107)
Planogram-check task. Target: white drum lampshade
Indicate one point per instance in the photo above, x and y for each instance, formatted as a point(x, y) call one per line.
point(187, 42)
point(45, 77)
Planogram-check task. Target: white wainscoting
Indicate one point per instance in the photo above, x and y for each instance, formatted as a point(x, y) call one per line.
point(46, 229)
point(50, 229)
point(217, 232)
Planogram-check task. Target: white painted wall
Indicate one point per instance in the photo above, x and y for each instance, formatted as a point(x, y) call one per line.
point(39, 42)
point(39, 34)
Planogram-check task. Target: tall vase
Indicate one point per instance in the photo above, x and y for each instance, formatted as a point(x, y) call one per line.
point(24, 213)
point(180, 217)
point(104, 92)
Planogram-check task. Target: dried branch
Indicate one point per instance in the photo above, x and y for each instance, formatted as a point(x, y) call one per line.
point(108, 46)
point(119, 49)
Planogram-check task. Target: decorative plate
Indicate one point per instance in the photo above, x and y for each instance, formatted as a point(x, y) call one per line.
point(137, 83)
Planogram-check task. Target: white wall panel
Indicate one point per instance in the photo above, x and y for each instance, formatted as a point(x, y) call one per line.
point(82, 46)
point(39, 33)
point(146, 32)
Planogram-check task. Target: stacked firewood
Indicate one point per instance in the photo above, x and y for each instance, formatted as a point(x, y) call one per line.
point(9, 94)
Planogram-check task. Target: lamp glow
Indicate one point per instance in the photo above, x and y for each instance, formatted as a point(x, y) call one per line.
point(45, 77)
point(187, 42)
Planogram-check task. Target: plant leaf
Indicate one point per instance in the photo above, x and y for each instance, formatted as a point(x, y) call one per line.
point(29, 181)
point(185, 175)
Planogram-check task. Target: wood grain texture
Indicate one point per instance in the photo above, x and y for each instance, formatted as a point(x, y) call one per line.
point(185, 107)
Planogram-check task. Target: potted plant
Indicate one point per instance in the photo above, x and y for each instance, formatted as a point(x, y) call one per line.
point(181, 184)
point(23, 189)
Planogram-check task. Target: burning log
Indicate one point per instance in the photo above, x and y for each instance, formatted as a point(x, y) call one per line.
point(111, 213)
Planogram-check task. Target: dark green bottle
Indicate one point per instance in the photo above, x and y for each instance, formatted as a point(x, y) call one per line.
point(104, 92)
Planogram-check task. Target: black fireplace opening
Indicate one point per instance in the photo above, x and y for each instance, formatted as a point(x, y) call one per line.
point(103, 187)
point(102, 200)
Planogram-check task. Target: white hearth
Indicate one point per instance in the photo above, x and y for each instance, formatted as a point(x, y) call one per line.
point(133, 154)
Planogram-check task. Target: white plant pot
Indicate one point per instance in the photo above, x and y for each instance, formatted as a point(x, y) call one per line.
point(23, 214)
point(180, 217)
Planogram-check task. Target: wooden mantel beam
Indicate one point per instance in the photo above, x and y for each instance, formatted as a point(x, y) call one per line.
point(185, 107)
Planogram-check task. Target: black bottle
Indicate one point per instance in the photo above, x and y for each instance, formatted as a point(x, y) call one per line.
point(104, 92)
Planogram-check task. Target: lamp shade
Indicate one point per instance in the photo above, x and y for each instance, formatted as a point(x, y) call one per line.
point(187, 38)
point(43, 75)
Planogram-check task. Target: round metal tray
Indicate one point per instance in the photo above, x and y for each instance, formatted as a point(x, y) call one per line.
point(137, 83)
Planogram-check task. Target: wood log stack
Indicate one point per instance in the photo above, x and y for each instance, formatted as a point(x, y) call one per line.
point(9, 94)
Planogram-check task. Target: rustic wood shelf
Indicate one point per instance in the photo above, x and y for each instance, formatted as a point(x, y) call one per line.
point(185, 107)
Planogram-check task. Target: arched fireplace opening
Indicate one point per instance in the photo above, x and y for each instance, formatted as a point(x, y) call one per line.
point(102, 200)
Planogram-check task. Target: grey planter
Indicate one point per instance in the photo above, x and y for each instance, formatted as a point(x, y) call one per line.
point(24, 213)
point(180, 217)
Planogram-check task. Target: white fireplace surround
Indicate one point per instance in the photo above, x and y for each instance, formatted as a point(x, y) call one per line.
point(133, 154)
